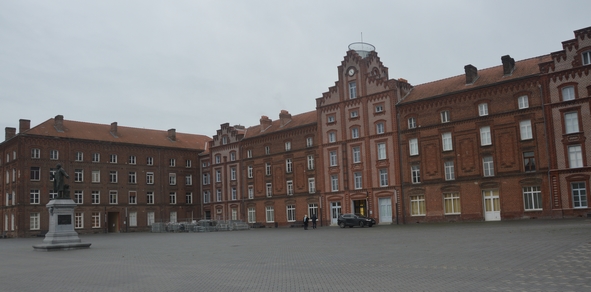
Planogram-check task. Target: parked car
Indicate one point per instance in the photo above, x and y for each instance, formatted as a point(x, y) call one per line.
point(355, 220)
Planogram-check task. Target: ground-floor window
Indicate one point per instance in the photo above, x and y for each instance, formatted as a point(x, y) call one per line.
point(452, 203)
point(291, 217)
point(150, 218)
point(96, 220)
point(173, 217)
point(270, 214)
point(532, 198)
point(133, 219)
point(34, 221)
point(234, 214)
point(78, 220)
point(417, 205)
point(579, 191)
point(313, 209)
point(252, 215)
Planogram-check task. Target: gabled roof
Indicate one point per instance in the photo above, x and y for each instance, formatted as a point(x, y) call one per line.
point(127, 135)
point(299, 120)
point(487, 76)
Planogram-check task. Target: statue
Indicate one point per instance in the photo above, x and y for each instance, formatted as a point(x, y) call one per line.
point(59, 187)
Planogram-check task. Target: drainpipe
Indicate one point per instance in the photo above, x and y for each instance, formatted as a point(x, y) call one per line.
point(400, 173)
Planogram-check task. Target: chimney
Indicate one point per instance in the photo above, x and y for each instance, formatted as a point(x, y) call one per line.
point(23, 125)
point(284, 117)
point(172, 134)
point(59, 123)
point(508, 65)
point(114, 129)
point(471, 74)
point(265, 123)
point(9, 133)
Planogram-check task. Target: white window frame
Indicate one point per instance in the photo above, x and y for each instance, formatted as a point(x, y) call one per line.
point(532, 198)
point(269, 214)
point(132, 197)
point(35, 153)
point(132, 159)
point(78, 197)
point(575, 156)
point(311, 185)
point(113, 198)
point(380, 128)
point(354, 132)
point(79, 156)
point(310, 162)
point(452, 204)
point(96, 176)
point(268, 170)
point(172, 179)
point(523, 102)
point(252, 215)
point(132, 219)
point(488, 167)
point(568, 93)
point(96, 219)
point(383, 177)
point(251, 192)
point(449, 170)
point(485, 137)
point(53, 155)
point(34, 221)
point(333, 159)
point(95, 197)
point(579, 195)
point(525, 130)
point(571, 122)
point(412, 122)
point(483, 109)
point(232, 173)
point(413, 146)
point(334, 183)
point(287, 146)
point(172, 198)
point(446, 141)
point(113, 158)
point(356, 153)
point(96, 157)
point(309, 142)
point(150, 178)
point(415, 173)
point(289, 184)
point(352, 90)
point(288, 165)
point(35, 196)
point(291, 214)
point(249, 172)
point(445, 117)
point(357, 180)
point(332, 137)
point(417, 205)
point(586, 58)
point(269, 190)
point(382, 151)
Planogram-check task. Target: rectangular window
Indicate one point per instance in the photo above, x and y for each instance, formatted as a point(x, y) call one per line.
point(412, 123)
point(172, 179)
point(575, 156)
point(354, 114)
point(415, 172)
point(34, 221)
point(234, 194)
point(287, 146)
point(172, 198)
point(132, 197)
point(309, 142)
point(113, 197)
point(172, 162)
point(352, 90)
point(523, 102)
point(96, 176)
point(357, 179)
point(579, 191)
point(487, 166)
point(248, 153)
point(96, 157)
point(568, 93)
point(356, 152)
point(334, 183)
point(291, 216)
point(149, 178)
point(113, 176)
point(379, 108)
point(132, 177)
point(150, 218)
point(79, 156)
point(529, 162)
point(413, 146)
point(96, 220)
point(485, 139)
point(189, 180)
point(571, 122)
point(268, 168)
point(312, 209)
point(332, 137)
point(249, 171)
point(173, 217)
point(446, 141)
point(35, 153)
point(96, 197)
point(270, 214)
point(35, 195)
point(289, 187)
point(381, 151)
point(532, 198)
point(449, 170)
point(445, 117)
point(132, 159)
point(333, 158)
point(35, 173)
point(354, 133)
point(525, 129)
point(113, 158)
point(188, 162)
point(383, 177)
point(269, 190)
point(451, 203)
point(233, 173)
point(380, 129)
point(267, 150)
point(218, 195)
point(78, 197)
point(288, 165)
point(78, 220)
point(251, 192)
point(150, 198)
point(150, 160)
point(206, 179)
point(206, 197)
point(53, 155)
point(78, 175)
point(310, 162)
point(252, 215)
point(133, 219)
point(311, 185)
point(586, 57)
point(483, 109)
point(417, 205)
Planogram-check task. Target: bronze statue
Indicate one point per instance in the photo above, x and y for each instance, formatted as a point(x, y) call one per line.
point(59, 186)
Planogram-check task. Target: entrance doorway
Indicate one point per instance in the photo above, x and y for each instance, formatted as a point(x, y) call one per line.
point(360, 207)
point(492, 206)
point(113, 222)
point(335, 212)
point(385, 210)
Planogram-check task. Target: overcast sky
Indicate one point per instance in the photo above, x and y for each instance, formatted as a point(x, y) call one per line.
point(193, 65)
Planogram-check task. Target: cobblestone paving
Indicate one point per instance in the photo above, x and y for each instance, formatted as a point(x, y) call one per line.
point(527, 255)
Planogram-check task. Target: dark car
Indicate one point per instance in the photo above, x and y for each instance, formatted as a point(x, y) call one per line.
point(355, 220)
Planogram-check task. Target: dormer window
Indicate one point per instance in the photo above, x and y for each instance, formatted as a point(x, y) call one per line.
point(352, 90)
point(586, 57)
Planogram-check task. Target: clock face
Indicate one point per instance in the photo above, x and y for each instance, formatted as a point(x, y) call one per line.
point(351, 72)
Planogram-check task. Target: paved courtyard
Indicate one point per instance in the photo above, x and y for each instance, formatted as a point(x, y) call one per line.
point(526, 255)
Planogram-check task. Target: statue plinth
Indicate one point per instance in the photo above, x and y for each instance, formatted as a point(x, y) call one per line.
point(61, 234)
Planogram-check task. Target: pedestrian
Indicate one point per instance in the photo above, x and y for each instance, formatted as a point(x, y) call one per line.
point(306, 222)
point(313, 221)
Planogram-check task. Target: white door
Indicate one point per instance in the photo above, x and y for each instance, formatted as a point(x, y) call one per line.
point(385, 210)
point(492, 206)
point(335, 211)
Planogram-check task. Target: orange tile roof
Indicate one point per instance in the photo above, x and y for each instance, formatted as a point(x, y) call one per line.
point(128, 135)
point(487, 76)
point(298, 120)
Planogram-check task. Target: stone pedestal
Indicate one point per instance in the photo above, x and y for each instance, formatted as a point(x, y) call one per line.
point(61, 234)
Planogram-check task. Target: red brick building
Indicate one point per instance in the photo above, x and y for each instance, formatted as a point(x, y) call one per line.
point(122, 178)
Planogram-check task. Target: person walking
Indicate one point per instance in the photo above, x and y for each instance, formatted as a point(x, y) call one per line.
point(306, 222)
point(313, 221)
